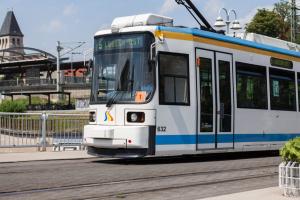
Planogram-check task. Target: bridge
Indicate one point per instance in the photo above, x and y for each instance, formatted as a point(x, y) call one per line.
point(35, 70)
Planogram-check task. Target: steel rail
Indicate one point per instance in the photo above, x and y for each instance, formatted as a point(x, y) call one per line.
point(150, 178)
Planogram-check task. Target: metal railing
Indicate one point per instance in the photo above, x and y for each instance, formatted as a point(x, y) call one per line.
point(19, 130)
point(41, 130)
point(289, 178)
point(76, 80)
point(27, 82)
point(43, 81)
point(40, 107)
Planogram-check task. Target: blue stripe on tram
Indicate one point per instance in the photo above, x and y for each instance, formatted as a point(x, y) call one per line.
point(222, 138)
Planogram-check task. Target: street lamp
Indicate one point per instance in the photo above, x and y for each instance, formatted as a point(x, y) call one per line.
point(220, 22)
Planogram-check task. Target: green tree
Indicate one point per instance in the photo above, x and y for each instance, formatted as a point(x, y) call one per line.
point(284, 10)
point(274, 23)
point(265, 22)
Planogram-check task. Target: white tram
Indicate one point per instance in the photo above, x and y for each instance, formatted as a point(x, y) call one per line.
point(159, 89)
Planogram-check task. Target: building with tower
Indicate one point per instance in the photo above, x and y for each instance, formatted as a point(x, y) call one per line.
point(11, 35)
point(30, 71)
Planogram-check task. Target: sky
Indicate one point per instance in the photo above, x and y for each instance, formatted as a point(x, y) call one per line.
point(44, 22)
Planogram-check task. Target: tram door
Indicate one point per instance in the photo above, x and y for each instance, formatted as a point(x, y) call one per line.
point(215, 100)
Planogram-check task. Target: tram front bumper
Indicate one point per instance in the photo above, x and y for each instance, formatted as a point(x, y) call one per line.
point(116, 137)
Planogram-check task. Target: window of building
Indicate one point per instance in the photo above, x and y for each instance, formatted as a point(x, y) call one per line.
point(251, 86)
point(282, 90)
point(13, 41)
point(18, 42)
point(173, 79)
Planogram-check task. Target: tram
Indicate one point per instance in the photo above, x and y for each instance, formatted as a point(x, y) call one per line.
point(158, 89)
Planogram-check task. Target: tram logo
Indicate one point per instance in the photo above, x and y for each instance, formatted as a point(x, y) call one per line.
point(108, 117)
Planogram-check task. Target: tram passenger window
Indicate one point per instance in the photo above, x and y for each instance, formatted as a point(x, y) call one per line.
point(251, 86)
point(298, 81)
point(225, 95)
point(173, 79)
point(282, 90)
point(206, 95)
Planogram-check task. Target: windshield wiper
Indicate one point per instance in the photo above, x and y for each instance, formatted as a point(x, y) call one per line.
point(113, 99)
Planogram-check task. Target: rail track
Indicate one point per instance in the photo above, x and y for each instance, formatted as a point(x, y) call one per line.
point(147, 184)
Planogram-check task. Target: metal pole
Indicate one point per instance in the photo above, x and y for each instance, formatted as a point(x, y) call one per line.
point(43, 134)
point(84, 57)
point(227, 20)
point(59, 48)
point(227, 25)
point(72, 74)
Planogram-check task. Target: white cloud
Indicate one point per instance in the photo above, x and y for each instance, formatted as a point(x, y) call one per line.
point(54, 25)
point(171, 5)
point(212, 7)
point(168, 6)
point(70, 10)
point(211, 10)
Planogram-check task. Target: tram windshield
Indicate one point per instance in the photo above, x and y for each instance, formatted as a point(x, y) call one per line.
point(122, 72)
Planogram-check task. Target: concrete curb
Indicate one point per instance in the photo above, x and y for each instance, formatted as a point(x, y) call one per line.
point(43, 156)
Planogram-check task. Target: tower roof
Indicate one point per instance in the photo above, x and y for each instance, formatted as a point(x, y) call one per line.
point(10, 26)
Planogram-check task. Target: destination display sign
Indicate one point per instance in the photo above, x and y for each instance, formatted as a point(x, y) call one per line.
point(281, 63)
point(115, 43)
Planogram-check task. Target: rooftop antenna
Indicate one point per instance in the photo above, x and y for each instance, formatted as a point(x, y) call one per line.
point(196, 13)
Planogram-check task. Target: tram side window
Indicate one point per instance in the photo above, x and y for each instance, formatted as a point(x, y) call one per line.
point(206, 95)
point(298, 81)
point(282, 90)
point(251, 86)
point(173, 79)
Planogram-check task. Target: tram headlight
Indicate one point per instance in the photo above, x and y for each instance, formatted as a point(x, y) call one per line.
point(136, 117)
point(92, 116)
point(133, 117)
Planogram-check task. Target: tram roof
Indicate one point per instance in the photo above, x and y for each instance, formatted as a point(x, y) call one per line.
point(223, 40)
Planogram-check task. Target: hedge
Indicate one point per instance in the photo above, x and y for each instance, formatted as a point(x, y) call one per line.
point(291, 150)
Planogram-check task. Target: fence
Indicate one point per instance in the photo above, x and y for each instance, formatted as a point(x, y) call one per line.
point(76, 80)
point(44, 81)
point(41, 130)
point(27, 82)
point(289, 178)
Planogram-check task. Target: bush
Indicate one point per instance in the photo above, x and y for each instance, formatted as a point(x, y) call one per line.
point(13, 106)
point(291, 150)
point(37, 100)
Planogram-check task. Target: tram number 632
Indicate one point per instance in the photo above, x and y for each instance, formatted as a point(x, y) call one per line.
point(161, 128)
